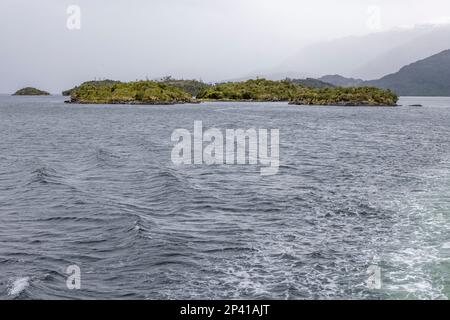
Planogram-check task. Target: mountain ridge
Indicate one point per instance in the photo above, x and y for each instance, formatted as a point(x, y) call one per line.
point(426, 77)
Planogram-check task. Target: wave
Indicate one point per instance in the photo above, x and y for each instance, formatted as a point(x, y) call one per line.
point(103, 155)
point(18, 286)
point(45, 175)
point(98, 157)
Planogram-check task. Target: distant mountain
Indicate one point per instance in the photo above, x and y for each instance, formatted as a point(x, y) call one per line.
point(311, 83)
point(366, 57)
point(268, 75)
point(429, 41)
point(427, 77)
point(340, 81)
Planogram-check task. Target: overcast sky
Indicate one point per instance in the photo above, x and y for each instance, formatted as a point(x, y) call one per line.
point(208, 39)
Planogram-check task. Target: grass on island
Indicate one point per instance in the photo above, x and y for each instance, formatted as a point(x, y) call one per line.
point(139, 92)
point(311, 83)
point(29, 91)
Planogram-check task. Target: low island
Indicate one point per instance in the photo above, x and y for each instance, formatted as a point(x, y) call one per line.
point(362, 96)
point(193, 87)
point(29, 91)
point(261, 90)
point(171, 91)
point(139, 93)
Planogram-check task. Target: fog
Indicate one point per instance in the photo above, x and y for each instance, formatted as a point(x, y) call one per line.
point(212, 40)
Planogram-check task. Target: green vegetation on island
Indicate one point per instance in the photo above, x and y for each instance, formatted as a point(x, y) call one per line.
point(92, 83)
point(363, 96)
point(253, 90)
point(139, 92)
point(29, 91)
point(193, 87)
point(287, 90)
point(172, 91)
point(311, 83)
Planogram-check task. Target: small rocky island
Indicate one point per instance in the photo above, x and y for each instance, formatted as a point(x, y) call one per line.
point(29, 91)
point(139, 93)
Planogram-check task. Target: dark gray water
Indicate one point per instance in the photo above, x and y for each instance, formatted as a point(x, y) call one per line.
point(95, 186)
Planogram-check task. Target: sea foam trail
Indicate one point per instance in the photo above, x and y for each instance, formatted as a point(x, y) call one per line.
point(18, 286)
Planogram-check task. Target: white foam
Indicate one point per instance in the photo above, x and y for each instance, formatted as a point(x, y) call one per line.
point(18, 286)
point(446, 245)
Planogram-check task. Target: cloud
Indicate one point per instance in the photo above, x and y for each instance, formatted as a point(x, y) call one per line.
point(211, 39)
point(439, 20)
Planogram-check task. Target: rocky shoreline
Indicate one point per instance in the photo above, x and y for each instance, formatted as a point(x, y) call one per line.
point(137, 103)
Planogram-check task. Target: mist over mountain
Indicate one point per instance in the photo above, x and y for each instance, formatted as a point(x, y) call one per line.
point(424, 45)
point(366, 57)
point(427, 77)
point(340, 81)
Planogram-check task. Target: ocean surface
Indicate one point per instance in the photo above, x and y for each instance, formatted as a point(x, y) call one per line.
point(94, 186)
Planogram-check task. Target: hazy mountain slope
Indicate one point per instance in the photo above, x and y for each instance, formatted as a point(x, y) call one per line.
point(340, 81)
point(423, 46)
point(311, 83)
point(367, 57)
point(427, 77)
